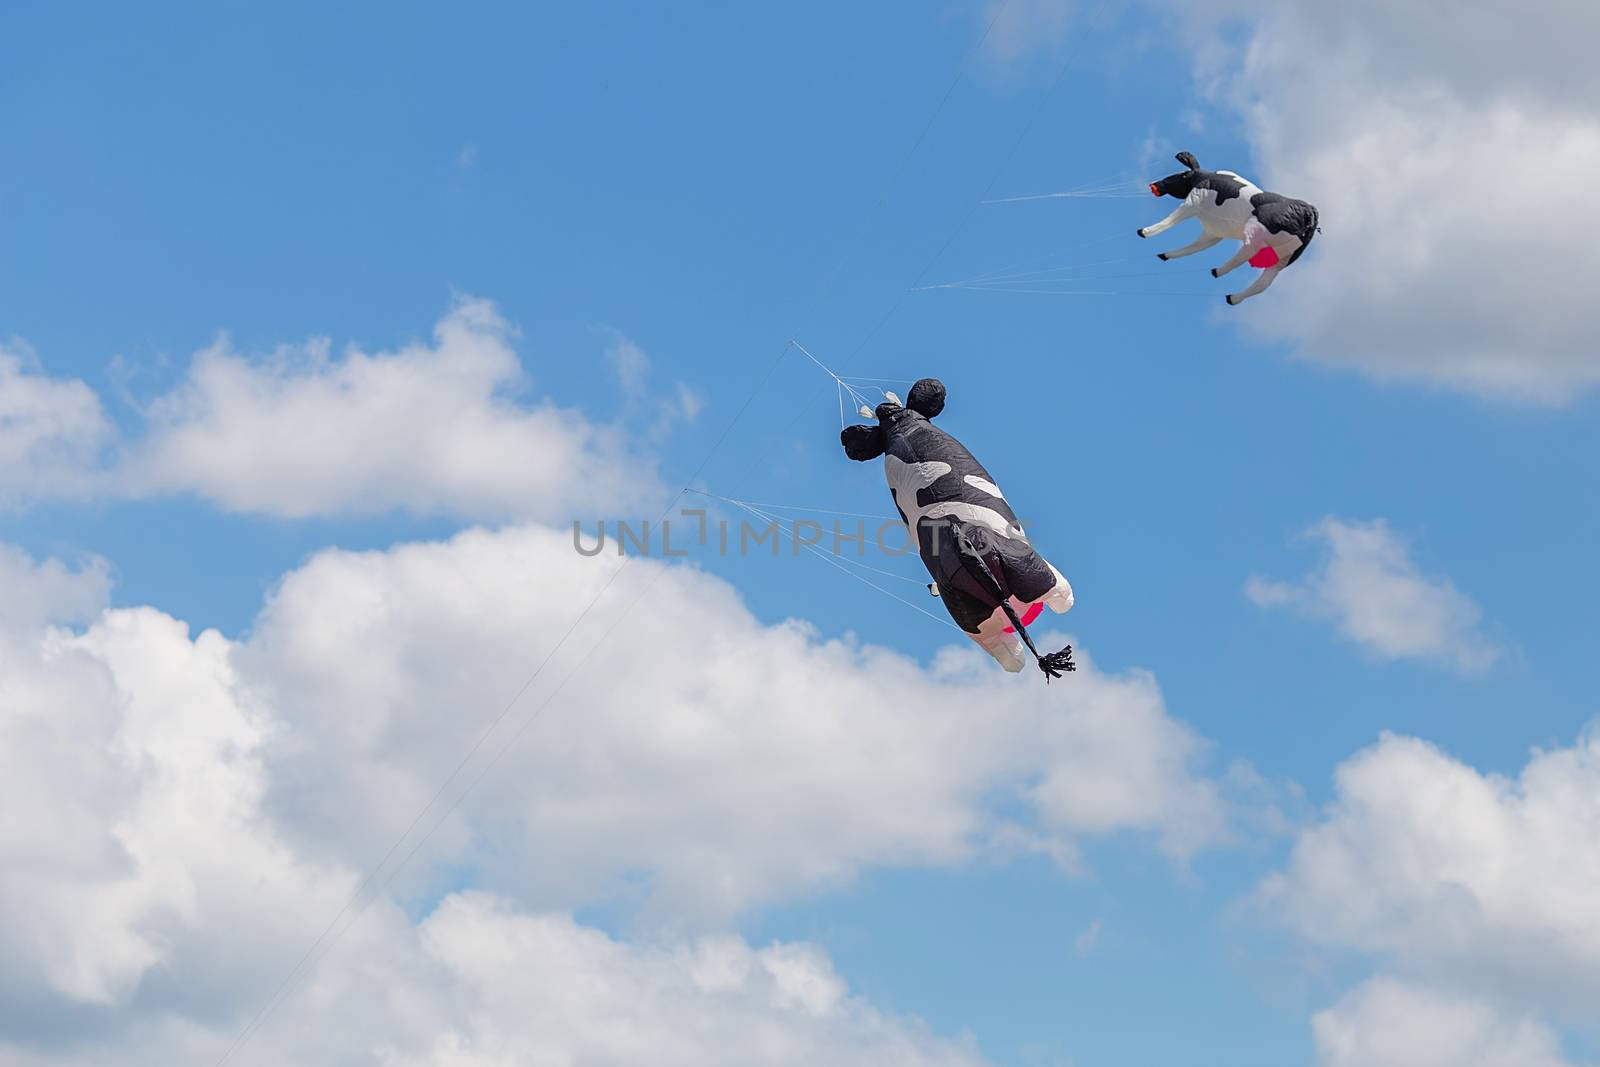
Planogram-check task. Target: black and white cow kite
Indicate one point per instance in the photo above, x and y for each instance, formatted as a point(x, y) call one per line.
point(987, 574)
point(1274, 229)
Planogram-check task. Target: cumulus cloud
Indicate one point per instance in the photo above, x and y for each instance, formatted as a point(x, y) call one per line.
point(181, 813)
point(1476, 897)
point(52, 431)
point(430, 428)
point(707, 1001)
point(1459, 880)
point(655, 414)
point(1020, 29)
point(1446, 155)
point(1368, 586)
point(149, 904)
point(440, 428)
point(1390, 1023)
point(730, 764)
point(479, 983)
point(129, 780)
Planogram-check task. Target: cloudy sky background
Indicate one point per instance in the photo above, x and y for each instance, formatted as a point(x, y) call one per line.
point(320, 328)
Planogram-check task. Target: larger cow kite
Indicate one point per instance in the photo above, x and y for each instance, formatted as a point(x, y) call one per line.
point(988, 576)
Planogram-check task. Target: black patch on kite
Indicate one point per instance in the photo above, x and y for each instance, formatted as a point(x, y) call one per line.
point(862, 443)
point(1224, 185)
point(1280, 214)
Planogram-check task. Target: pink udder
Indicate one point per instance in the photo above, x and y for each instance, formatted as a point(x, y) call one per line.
point(1267, 257)
point(1028, 616)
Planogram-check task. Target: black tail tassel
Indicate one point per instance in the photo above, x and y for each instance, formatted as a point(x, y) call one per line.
point(1056, 663)
point(1053, 665)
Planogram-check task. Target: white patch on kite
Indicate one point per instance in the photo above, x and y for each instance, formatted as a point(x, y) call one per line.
point(983, 485)
point(906, 480)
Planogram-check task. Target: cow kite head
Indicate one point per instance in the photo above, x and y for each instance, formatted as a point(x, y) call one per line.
point(1181, 184)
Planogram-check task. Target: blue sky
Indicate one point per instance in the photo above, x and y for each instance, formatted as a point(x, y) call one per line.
point(708, 182)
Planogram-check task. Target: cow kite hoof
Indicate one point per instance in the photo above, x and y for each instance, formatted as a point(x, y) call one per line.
point(1140, 231)
point(1214, 273)
point(1162, 256)
point(1231, 301)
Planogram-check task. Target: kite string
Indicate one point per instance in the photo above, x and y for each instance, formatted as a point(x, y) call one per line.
point(1112, 193)
point(965, 219)
point(1031, 260)
point(1023, 275)
point(826, 558)
point(938, 109)
point(777, 521)
point(1082, 292)
point(814, 511)
point(1113, 186)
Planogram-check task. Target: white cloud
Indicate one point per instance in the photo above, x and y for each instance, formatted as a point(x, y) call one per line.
point(1458, 878)
point(1021, 29)
point(654, 415)
point(129, 779)
point(1447, 156)
point(1390, 1023)
point(52, 431)
point(49, 592)
point(1370, 589)
point(480, 984)
point(550, 991)
point(729, 764)
point(628, 363)
point(431, 429)
point(1087, 939)
point(180, 814)
point(149, 905)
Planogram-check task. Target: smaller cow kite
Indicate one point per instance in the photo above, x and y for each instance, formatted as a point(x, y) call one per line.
point(1273, 229)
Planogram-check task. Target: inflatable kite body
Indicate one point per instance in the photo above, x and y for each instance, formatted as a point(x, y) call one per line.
point(988, 576)
point(1274, 229)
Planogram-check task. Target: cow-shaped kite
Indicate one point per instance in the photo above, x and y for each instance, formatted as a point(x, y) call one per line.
point(988, 576)
point(1274, 229)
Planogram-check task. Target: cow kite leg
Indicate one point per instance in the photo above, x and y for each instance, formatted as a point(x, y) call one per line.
point(1258, 286)
point(1181, 212)
point(1199, 244)
point(1235, 261)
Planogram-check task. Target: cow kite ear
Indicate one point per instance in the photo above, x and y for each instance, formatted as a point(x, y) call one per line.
point(926, 397)
point(862, 443)
point(1188, 160)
